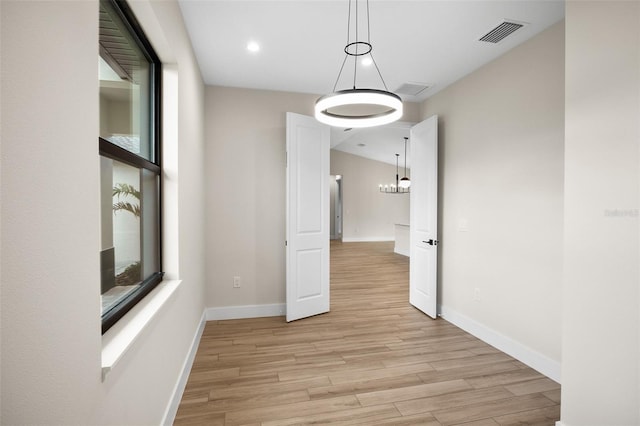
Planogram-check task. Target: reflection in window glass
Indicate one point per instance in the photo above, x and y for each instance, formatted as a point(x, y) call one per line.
point(121, 231)
point(125, 85)
point(150, 201)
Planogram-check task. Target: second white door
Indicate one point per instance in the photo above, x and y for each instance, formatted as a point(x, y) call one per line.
point(423, 270)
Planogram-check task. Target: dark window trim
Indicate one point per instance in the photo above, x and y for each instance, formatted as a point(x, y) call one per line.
point(115, 152)
point(112, 316)
point(107, 149)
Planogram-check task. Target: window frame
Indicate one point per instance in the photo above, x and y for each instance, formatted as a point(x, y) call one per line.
point(114, 152)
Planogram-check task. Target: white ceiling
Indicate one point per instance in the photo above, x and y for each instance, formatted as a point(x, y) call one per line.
point(380, 143)
point(301, 47)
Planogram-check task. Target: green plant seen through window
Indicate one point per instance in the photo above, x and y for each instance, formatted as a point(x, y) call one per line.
point(132, 273)
point(124, 190)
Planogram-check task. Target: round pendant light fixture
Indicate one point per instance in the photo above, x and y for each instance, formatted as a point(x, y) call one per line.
point(328, 108)
point(358, 107)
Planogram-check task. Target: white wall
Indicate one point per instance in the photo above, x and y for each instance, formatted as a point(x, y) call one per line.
point(368, 214)
point(50, 307)
point(245, 158)
point(245, 201)
point(501, 187)
point(600, 353)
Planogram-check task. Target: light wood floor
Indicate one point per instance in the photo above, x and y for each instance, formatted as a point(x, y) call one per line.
point(373, 360)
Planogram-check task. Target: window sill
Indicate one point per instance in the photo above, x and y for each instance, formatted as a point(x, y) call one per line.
point(117, 341)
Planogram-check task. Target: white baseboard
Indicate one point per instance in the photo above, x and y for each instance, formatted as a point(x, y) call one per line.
point(366, 239)
point(247, 311)
point(171, 411)
point(522, 353)
point(402, 252)
point(211, 314)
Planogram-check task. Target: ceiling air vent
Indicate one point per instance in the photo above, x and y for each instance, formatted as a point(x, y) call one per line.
point(411, 89)
point(500, 32)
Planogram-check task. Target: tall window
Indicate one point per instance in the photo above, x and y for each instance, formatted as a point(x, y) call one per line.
point(129, 146)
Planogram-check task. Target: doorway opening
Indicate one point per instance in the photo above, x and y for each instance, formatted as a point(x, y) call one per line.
point(335, 207)
point(308, 145)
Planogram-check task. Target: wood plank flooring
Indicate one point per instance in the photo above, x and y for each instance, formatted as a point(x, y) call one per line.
point(373, 360)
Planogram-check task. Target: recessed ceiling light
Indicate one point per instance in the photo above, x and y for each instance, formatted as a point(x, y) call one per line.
point(362, 144)
point(253, 47)
point(367, 61)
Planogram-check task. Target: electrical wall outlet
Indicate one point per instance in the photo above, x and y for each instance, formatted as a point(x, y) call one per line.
point(236, 282)
point(476, 294)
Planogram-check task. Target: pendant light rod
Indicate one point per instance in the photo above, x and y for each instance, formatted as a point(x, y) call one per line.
point(405, 182)
point(397, 176)
point(405, 155)
point(355, 62)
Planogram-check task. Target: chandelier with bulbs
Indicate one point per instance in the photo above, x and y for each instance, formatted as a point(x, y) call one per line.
point(401, 186)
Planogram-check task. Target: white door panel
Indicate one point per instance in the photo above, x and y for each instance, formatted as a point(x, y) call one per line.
point(307, 225)
point(424, 216)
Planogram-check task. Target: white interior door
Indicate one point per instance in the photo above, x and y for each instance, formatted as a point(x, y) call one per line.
point(307, 228)
point(423, 271)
